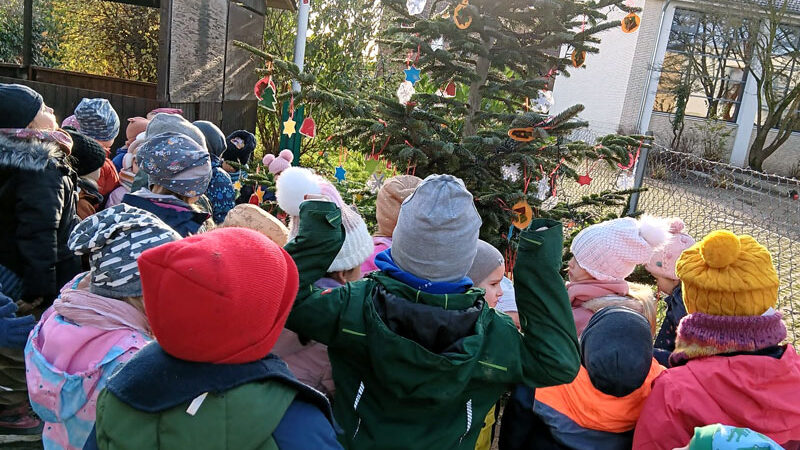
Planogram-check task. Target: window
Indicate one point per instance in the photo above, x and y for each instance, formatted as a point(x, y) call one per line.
point(706, 58)
point(785, 70)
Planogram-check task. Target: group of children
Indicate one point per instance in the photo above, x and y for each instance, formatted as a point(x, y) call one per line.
point(200, 324)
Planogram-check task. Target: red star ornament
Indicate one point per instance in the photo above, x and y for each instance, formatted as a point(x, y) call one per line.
point(584, 180)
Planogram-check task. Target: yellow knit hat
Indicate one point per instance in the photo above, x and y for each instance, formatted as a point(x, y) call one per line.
point(728, 275)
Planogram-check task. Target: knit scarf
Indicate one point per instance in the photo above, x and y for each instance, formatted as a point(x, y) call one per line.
point(701, 335)
point(581, 291)
point(84, 308)
point(59, 137)
point(386, 264)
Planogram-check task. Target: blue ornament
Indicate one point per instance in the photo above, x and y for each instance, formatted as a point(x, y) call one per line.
point(340, 174)
point(412, 74)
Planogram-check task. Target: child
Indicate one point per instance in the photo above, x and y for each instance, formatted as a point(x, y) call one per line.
point(730, 364)
point(724, 437)
point(88, 158)
point(308, 360)
point(387, 207)
point(600, 408)
point(178, 170)
point(278, 164)
point(662, 267)
point(220, 190)
point(604, 255)
point(127, 175)
point(418, 357)
point(99, 121)
point(136, 126)
point(209, 381)
point(255, 218)
point(488, 273)
point(241, 145)
point(96, 324)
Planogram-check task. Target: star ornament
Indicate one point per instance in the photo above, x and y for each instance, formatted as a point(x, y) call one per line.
point(412, 74)
point(340, 174)
point(259, 193)
point(584, 180)
point(237, 185)
point(289, 127)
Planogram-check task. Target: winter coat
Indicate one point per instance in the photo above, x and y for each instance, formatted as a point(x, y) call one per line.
point(67, 367)
point(381, 243)
point(578, 416)
point(109, 178)
point(220, 191)
point(257, 405)
point(756, 391)
point(118, 157)
point(420, 370)
point(89, 198)
point(665, 340)
point(308, 360)
point(174, 212)
point(38, 202)
point(640, 298)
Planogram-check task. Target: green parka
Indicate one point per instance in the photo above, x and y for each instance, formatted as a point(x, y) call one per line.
point(392, 390)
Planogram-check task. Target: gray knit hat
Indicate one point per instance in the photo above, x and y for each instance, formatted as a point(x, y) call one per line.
point(436, 237)
point(97, 119)
point(114, 238)
point(487, 260)
point(173, 123)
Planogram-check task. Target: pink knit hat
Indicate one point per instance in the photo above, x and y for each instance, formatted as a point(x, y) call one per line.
point(664, 259)
point(611, 250)
point(292, 187)
point(280, 163)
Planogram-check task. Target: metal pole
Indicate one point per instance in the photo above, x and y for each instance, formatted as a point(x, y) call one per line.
point(300, 40)
point(27, 35)
point(641, 166)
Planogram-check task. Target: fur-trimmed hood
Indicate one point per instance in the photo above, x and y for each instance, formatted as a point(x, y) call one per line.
point(28, 155)
point(640, 298)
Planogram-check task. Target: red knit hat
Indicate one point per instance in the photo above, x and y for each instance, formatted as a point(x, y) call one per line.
point(220, 297)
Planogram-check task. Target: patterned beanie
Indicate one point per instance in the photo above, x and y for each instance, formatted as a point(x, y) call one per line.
point(71, 122)
point(173, 123)
point(611, 250)
point(664, 259)
point(176, 162)
point(97, 119)
point(255, 218)
point(292, 187)
point(728, 275)
point(391, 195)
point(725, 437)
point(114, 238)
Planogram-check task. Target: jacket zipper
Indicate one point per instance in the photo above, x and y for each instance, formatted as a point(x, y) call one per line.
point(355, 407)
point(469, 420)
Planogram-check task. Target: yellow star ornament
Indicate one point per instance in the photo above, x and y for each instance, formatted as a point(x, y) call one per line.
point(288, 127)
point(237, 185)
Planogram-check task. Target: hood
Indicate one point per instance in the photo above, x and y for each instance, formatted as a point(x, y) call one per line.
point(27, 155)
point(760, 391)
point(69, 365)
point(428, 348)
point(640, 298)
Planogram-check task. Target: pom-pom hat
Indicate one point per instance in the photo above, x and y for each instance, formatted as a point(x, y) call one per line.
point(728, 275)
point(278, 164)
point(664, 259)
point(204, 302)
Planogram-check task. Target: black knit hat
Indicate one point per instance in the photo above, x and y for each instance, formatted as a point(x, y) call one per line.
point(215, 140)
point(87, 154)
point(617, 350)
point(19, 105)
point(241, 145)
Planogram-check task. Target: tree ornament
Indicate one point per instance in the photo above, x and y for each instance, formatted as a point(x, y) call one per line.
point(578, 58)
point(267, 100)
point(630, 23)
point(521, 134)
point(260, 194)
point(375, 182)
point(309, 128)
point(543, 189)
point(370, 165)
point(625, 180)
point(405, 91)
point(523, 214)
point(510, 172)
point(415, 7)
point(462, 18)
point(543, 102)
point(341, 174)
point(237, 185)
point(584, 180)
point(289, 127)
point(438, 44)
point(450, 90)
point(412, 74)
point(549, 204)
point(264, 84)
point(253, 200)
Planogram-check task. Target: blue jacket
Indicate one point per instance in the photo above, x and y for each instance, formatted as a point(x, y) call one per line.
point(118, 157)
point(220, 191)
point(665, 340)
point(184, 220)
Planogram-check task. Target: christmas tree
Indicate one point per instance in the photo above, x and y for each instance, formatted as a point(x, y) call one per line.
point(472, 102)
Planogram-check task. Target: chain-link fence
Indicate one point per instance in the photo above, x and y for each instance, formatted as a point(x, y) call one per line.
point(709, 196)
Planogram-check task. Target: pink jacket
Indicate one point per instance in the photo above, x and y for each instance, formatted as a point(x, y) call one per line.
point(381, 244)
point(752, 391)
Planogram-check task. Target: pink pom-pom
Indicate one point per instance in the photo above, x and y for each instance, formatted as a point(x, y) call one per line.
point(287, 155)
point(268, 159)
point(676, 226)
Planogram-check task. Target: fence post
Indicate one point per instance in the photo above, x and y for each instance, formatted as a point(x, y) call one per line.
point(641, 167)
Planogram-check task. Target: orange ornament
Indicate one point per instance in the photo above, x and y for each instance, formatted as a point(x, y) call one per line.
point(630, 23)
point(578, 58)
point(458, 16)
point(523, 214)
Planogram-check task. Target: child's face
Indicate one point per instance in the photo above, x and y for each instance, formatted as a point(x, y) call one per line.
point(666, 285)
point(576, 272)
point(44, 120)
point(492, 286)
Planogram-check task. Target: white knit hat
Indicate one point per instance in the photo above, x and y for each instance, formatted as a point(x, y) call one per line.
point(611, 250)
point(292, 187)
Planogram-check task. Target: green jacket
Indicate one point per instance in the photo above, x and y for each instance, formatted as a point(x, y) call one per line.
point(394, 393)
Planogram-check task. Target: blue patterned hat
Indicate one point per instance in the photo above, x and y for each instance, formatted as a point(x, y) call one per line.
point(97, 119)
point(176, 162)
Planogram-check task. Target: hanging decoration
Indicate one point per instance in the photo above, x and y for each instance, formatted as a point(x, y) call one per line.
point(266, 91)
point(625, 180)
point(412, 75)
point(543, 102)
point(462, 18)
point(237, 185)
point(290, 124)
point(449, 90)
point(341, 174)
point(375, 182)
point(521, 134)
point(415, 7)
point(586, 180)
point(578, 58)
point(437, 44)
point(632, 160)
point(523, 214)
point(543, 189)
point(630, 23)
point(309, 128)
point(510, 172)
point(405, 91)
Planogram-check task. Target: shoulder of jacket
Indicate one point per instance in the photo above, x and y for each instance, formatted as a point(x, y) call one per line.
point(29, 156)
